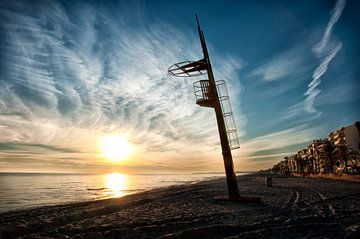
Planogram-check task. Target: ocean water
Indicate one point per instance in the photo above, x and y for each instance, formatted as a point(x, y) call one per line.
point(29, 190)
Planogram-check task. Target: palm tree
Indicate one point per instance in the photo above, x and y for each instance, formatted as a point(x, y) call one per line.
point(299, 164)
point(317, 161)
point(346, 154)
point(276, 168)
point(306, 164)
point(286, 159)
point(312, 161)
point(328, 151)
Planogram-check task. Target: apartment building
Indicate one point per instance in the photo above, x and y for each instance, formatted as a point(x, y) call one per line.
point(316, 158)
point(349, 136)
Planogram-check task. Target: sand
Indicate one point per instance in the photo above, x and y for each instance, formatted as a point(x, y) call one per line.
point(293, 208)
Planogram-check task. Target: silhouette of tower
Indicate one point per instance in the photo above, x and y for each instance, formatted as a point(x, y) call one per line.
point(213, 94)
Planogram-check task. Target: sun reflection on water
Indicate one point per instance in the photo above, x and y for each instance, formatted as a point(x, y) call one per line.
point(116, 184)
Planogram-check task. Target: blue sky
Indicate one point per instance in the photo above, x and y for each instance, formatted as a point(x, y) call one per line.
point(72, 72)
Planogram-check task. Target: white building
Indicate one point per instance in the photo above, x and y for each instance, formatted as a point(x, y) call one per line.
point(349, 136)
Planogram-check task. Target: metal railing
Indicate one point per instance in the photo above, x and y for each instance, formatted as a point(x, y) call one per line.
point(204, 98)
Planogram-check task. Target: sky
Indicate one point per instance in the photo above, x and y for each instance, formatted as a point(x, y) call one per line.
point(72, 72)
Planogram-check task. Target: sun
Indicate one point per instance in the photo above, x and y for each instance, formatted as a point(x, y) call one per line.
point(115, 148)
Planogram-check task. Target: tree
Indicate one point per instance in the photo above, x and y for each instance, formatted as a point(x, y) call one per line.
point(299, 163)
point(328, 151)
point(312, 161)
point(306, 164)
point(345, 154)
point(276, 168)
point(286, 160)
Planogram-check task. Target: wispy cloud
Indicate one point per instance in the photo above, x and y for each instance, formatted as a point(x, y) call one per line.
point(68, 77)
point(325, 51)
point(266, 149)
point(323, 46)
point(313, 89)
point(295, 135)
point(342, 93)
point(31, 147)
point(282, 73)
point(281, 65)
point(227, 67)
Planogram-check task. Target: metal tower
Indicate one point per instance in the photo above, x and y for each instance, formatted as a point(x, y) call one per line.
point(211, 93)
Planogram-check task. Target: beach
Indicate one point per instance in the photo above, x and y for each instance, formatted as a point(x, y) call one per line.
point(294, 207)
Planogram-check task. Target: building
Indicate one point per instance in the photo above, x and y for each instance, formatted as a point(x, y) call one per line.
point(327, 155)
point(349, 136)
point(314, 155)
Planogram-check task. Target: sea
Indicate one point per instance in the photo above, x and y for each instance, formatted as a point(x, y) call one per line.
point(19, 191)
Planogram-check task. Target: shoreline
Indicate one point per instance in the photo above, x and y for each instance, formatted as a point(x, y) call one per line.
point(293, 207)
point(37, 190)
point(81, 202)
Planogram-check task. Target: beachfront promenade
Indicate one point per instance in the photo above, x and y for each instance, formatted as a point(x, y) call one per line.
point(292, 208)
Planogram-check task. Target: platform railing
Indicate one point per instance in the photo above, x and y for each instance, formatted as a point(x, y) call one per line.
point(203, 98)
point(228, 114)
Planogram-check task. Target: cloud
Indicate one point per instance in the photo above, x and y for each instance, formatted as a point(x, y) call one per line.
point(342, 93)
point(282, 73)
point(226, 67)
point(312, 91)
point(31, 147)
point(281, 65)
point(72, 74)
point(323, 46)
point(265, 150)
point(280, 139)
point(325, 51)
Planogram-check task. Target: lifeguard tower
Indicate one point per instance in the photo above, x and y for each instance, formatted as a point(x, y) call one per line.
point(213, 94)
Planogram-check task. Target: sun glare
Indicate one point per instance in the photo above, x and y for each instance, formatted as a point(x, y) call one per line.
point(116, 183)
point(115, 148)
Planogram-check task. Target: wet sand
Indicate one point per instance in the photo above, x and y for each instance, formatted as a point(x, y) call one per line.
point(293, 208)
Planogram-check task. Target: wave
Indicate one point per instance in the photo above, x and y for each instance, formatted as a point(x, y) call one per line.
point(96, 189)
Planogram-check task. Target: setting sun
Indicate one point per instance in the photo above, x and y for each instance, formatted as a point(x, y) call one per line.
point(115, 148)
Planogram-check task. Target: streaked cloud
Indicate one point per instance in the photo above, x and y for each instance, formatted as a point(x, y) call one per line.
point(273, 146)
point(287, 137)
point(71, 76)
point(31, 147)
point(313, 90)
point(72, 72)
point(325, 51)
point(323, 46)
point(281, 65)
point(344, 92)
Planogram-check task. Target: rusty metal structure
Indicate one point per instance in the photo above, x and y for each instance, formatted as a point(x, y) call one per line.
point(213, 94)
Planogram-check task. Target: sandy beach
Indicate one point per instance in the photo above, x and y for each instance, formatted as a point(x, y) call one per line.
point(293, 208)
